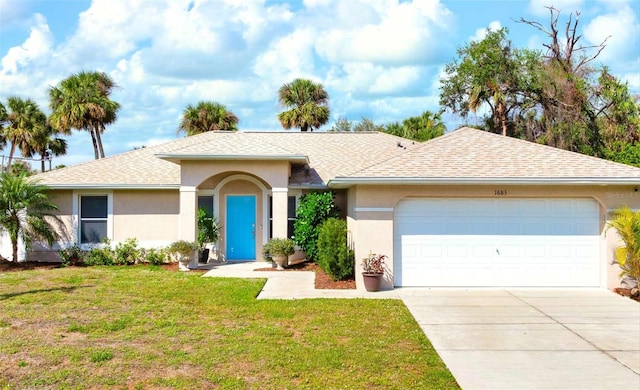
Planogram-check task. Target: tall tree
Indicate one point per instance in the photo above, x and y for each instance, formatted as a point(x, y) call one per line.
point(24, 120)
point(207, 116)
point(3, 120)
point(419, 128)
point(367, 124)
point(566, 96)
point(307, 103)
point(28, 212)
point(489, 73)
point(82, 102)
point(47, 144)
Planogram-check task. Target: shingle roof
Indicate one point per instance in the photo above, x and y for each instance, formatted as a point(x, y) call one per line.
point(329, 155)
point(346, 158)
point(470, 154)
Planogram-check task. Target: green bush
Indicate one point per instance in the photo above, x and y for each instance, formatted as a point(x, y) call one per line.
point(155, 256)
point(100, 255)
point(127, 252)
point(334, 255)
point(314, 209)
point(72, 255)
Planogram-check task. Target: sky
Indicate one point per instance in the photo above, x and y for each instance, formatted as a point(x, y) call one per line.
point(377, 59)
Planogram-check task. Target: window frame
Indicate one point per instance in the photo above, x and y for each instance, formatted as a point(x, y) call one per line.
point(289, 218)
point(77, 216)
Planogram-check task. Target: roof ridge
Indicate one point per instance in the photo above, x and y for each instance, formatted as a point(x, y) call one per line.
point(551, 148)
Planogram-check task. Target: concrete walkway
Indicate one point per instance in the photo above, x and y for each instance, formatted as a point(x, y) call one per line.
point(532, 339)
point(289, 284)
point(503, 338)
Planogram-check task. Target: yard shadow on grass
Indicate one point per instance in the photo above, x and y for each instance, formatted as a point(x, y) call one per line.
point(64, 289)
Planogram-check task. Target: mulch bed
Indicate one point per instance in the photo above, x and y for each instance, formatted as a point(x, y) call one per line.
point(323, 281)
point(628, 292)
point(10, 266)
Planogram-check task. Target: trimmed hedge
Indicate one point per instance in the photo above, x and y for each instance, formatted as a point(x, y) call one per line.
point(334, 255)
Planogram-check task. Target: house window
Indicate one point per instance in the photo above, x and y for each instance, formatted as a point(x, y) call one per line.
point(206, 202)
point(93, 218)
point(292, 202)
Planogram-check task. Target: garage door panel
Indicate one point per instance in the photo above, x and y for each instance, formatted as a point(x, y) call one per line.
point(494, 244)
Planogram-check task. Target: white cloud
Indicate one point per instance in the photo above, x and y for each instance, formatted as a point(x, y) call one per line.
point(287, 57)
point(482, 32)
point(36, 47)
point(622, 27)
point(404, 32)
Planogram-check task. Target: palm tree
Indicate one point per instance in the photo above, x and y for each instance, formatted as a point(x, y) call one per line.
point(308, 105)
point(27, 211)
point(24, 120)
point(207, 116)
point(46, 144)
point(3, 119)
point(82, 102)
point(419, 128)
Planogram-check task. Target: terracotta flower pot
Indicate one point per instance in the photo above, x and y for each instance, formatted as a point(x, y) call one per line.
point(372, 281)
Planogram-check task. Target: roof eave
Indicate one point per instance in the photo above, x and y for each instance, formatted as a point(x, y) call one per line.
point(113, 186)
point(343, 182)
point(177, 158)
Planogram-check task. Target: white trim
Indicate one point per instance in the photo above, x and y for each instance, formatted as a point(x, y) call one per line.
point(265, 201)
point(75, 213)
point(279, 189)
point(188, 188)
point(374, 209)
point(97, 187)
point(339, 182)
point(173, 157)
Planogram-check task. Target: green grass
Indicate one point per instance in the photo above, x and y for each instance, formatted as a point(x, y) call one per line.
point(141, 327)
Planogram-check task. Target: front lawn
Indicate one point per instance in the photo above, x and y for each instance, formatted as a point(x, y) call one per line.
point(144, 327)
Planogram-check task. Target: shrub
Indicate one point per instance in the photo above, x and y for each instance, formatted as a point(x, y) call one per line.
point(72, 255)
point(182, 249)
point(279, 247)
point(155, 256)
point(127, 252)
point(314, 209)
point(627, 223)
point(100, 255)
point(334, 255)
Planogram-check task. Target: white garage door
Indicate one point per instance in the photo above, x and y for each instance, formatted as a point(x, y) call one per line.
point(497, 242)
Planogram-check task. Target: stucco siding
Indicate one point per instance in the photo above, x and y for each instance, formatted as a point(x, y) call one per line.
point(151, 217)
point(371, 214)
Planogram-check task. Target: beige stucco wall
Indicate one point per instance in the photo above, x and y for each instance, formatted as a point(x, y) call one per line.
point(370, 214)
point(149, 216)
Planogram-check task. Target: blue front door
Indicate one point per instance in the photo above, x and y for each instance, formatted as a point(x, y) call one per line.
point(241, 227)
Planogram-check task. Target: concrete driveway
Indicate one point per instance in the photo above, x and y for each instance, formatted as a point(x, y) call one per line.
point(532, 338)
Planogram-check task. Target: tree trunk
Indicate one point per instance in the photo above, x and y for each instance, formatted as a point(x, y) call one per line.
point(95, 143)
point(99, 138)
point(14, 250)
point(502, 116)
point(13, 150)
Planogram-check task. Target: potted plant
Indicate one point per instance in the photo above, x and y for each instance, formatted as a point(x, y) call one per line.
point(208, 233)
point(373, 268)
point(183, 251)
point(279, 249)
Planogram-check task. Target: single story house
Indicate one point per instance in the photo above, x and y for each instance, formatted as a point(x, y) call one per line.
point(469, 208)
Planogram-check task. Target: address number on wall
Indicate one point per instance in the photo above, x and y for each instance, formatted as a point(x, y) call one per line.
point(500, 192)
